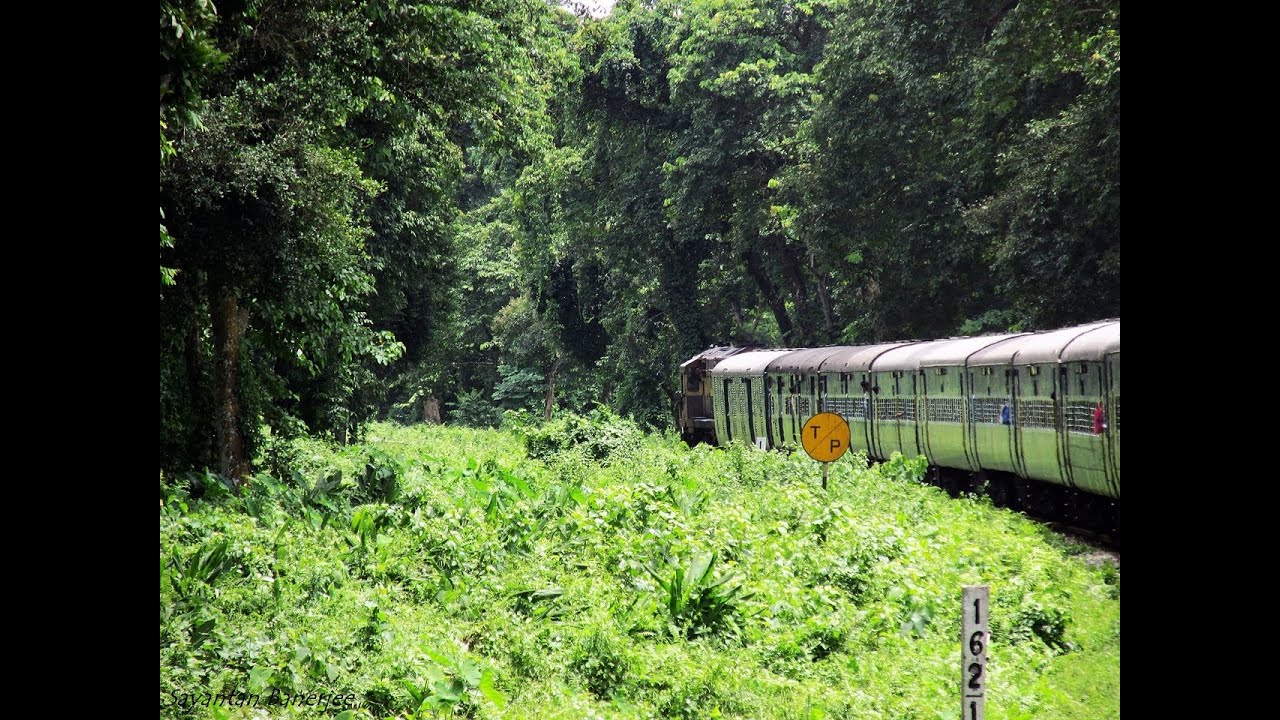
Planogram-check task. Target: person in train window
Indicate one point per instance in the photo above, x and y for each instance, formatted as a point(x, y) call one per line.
point(1005, 415)
point(1099, 420)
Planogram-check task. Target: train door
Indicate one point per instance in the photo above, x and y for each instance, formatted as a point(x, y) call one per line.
point(1039, 420)
point(877, 446)
point(899, 401)
point(991, 417)
point(779, 408)
point(728, 411)
point(1067, 416)
point(969, 436)
point(1085, 426)
point(891, 408)
point(1013, 385)
point(769, 409)
point(1113, 415)
point(917, 434)
point(868, 414)
point(930, 399)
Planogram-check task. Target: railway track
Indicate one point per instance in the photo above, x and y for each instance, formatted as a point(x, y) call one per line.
point(1088, 518)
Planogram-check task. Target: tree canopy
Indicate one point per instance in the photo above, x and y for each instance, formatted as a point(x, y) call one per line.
point(507, 205)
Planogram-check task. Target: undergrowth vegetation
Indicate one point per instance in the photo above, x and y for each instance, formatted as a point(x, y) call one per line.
point(584, 569)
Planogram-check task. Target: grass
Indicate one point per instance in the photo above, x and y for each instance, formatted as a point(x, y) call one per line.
point(450, 575)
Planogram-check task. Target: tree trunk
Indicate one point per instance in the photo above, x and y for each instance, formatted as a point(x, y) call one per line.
point(195, 392)
point(770, 291)
point(824, 297)
point(431, 411)
point(551, 389)
point(736, 308)
point(229, 323)
point(799, 295)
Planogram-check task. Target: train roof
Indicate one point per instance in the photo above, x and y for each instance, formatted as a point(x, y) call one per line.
point(715, 353)
point(1094, 345)
point(957, 351)
point(907, 357)
point(753, 362)
point(1041, 347)
point(804, 361)
point(858, 358)
point(1091, 341)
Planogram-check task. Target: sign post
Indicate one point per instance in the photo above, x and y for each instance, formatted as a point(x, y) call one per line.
point(975, 609)
point(825, 437)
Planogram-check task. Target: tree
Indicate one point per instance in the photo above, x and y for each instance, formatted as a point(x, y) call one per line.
point(326, 167)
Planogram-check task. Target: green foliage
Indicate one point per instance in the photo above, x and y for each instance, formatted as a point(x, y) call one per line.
point(600, 661)
point(473, 409)
point(495, 585)
point(314, 201)
point(1035, 619)
point(380, 481)
point(519, 389)
point(497, 203)
point(192, 580)
point(698, 604)
point(600, 435)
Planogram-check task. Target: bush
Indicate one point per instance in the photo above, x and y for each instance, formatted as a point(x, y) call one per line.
point(600, 435)
point(473, 409)
point(1035, 619)
point(380, 481)
point(696, 604)
point(599, 661)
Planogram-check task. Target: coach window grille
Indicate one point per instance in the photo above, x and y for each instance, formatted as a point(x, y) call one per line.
point(1078, 416)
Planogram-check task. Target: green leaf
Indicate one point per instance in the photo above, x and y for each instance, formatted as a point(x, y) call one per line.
point(487, 689)
point(470, 673)
point(259, 679)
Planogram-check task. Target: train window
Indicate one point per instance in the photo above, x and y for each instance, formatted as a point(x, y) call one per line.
point(695, 382)
point(942, 371)
point(1082, 369)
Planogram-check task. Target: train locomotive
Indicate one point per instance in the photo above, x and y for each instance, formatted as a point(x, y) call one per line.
point(1032, 419)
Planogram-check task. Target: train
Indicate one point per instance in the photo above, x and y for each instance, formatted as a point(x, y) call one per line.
point(1032, 419)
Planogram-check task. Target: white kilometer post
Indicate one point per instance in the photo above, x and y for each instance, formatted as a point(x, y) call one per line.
point(975, 609)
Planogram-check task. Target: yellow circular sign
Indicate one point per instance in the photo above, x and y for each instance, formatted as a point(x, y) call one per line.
point(825, 437)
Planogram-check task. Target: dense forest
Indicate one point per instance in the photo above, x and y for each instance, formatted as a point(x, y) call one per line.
point(402, 210)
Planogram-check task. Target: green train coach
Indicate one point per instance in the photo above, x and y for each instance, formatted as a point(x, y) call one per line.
point(1033, 419)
